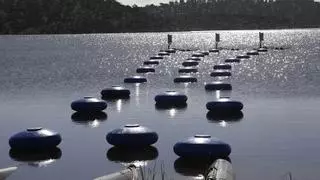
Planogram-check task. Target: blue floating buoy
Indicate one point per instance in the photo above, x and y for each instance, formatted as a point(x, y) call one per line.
point(151, 62)
point(206, 53)
point(243, 57)
point(190, 63)
point(89, 104)
point(171, 98)
point(194, 58)
point(232, 60)
point(220, 73)
point(188, 70)
point(224, 105)
point(163, 53)
point(132, 135)
point(201, 146)
point(115, 92)
point(135, 79)
point(214, 50)
point(156, 57)
point(222, 66)
point(185, 79)
point(170, 51)
point(198, 55)
point(262, 50)
point(145, 69)
point(254, 53)
point(218, 85)
point(35, 138)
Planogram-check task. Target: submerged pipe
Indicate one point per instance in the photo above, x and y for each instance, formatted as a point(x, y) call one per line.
point(5, 172)
point(131, 173)
point(220, 170)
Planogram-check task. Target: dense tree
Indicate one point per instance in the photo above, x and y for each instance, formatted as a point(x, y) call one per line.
point(95, 16)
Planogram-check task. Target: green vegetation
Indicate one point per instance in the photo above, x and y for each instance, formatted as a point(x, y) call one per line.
point(100, 16)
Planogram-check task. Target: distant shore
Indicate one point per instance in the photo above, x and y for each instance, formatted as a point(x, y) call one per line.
point(99, 16)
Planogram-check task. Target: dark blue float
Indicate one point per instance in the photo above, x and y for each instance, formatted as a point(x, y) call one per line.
point(151, 62)
point(185, 79)
point(220, 73)
point(171, 98)
point(35, 139)
point(135, 79)
point(163, 53)
point(222, 66)
point(198, 55)
point(190, 63)
point(214, 50)
point(232, 60)
point(115, 92)
point(262, 50)
point(194, 58)
point(170, 51)
point(253, 53)
point(188, 70)
point(132, 135)
point(88, 104)
point(243, 57)
point(218, 85)
point(202, 146)
point(206, 53)
point(145, 69)
point(156, 57)
point(224, 105)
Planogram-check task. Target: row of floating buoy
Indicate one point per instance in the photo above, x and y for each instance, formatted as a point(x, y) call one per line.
point(129, 136)
point(134, 135)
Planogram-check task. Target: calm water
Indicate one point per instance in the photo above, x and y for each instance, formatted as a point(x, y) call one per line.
point(41, 75)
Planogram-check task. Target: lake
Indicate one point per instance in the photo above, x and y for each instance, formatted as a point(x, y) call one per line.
point(40, 75)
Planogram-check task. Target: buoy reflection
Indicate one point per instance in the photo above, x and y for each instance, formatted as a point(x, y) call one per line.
point(36, 158)
point(136, 156)
point(92, 120)
point(172, 110)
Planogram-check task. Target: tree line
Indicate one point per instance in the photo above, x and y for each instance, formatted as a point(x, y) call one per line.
point(102, 16)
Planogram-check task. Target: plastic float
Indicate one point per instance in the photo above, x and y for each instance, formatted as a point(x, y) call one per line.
point(222, 66)
point(190, 63)
point(262, 50)
point(35, 139)
point(202, 146)
point(214, 50)
point(206, 53)
point(132, 135)
point(198, 55)
point(135, 79)
point(243, 57)
point(232, 60)
point(188, 70)
point(115, 92)
point(185, 79)
point(145, 69)
point(218, 85)
point(217, 73)
point(253, 53)
point(163, 53)
point(89, 104)
point(194, 58)
point(224, 105)
point(156, 57)
point(171, 98)
point(151, 62)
